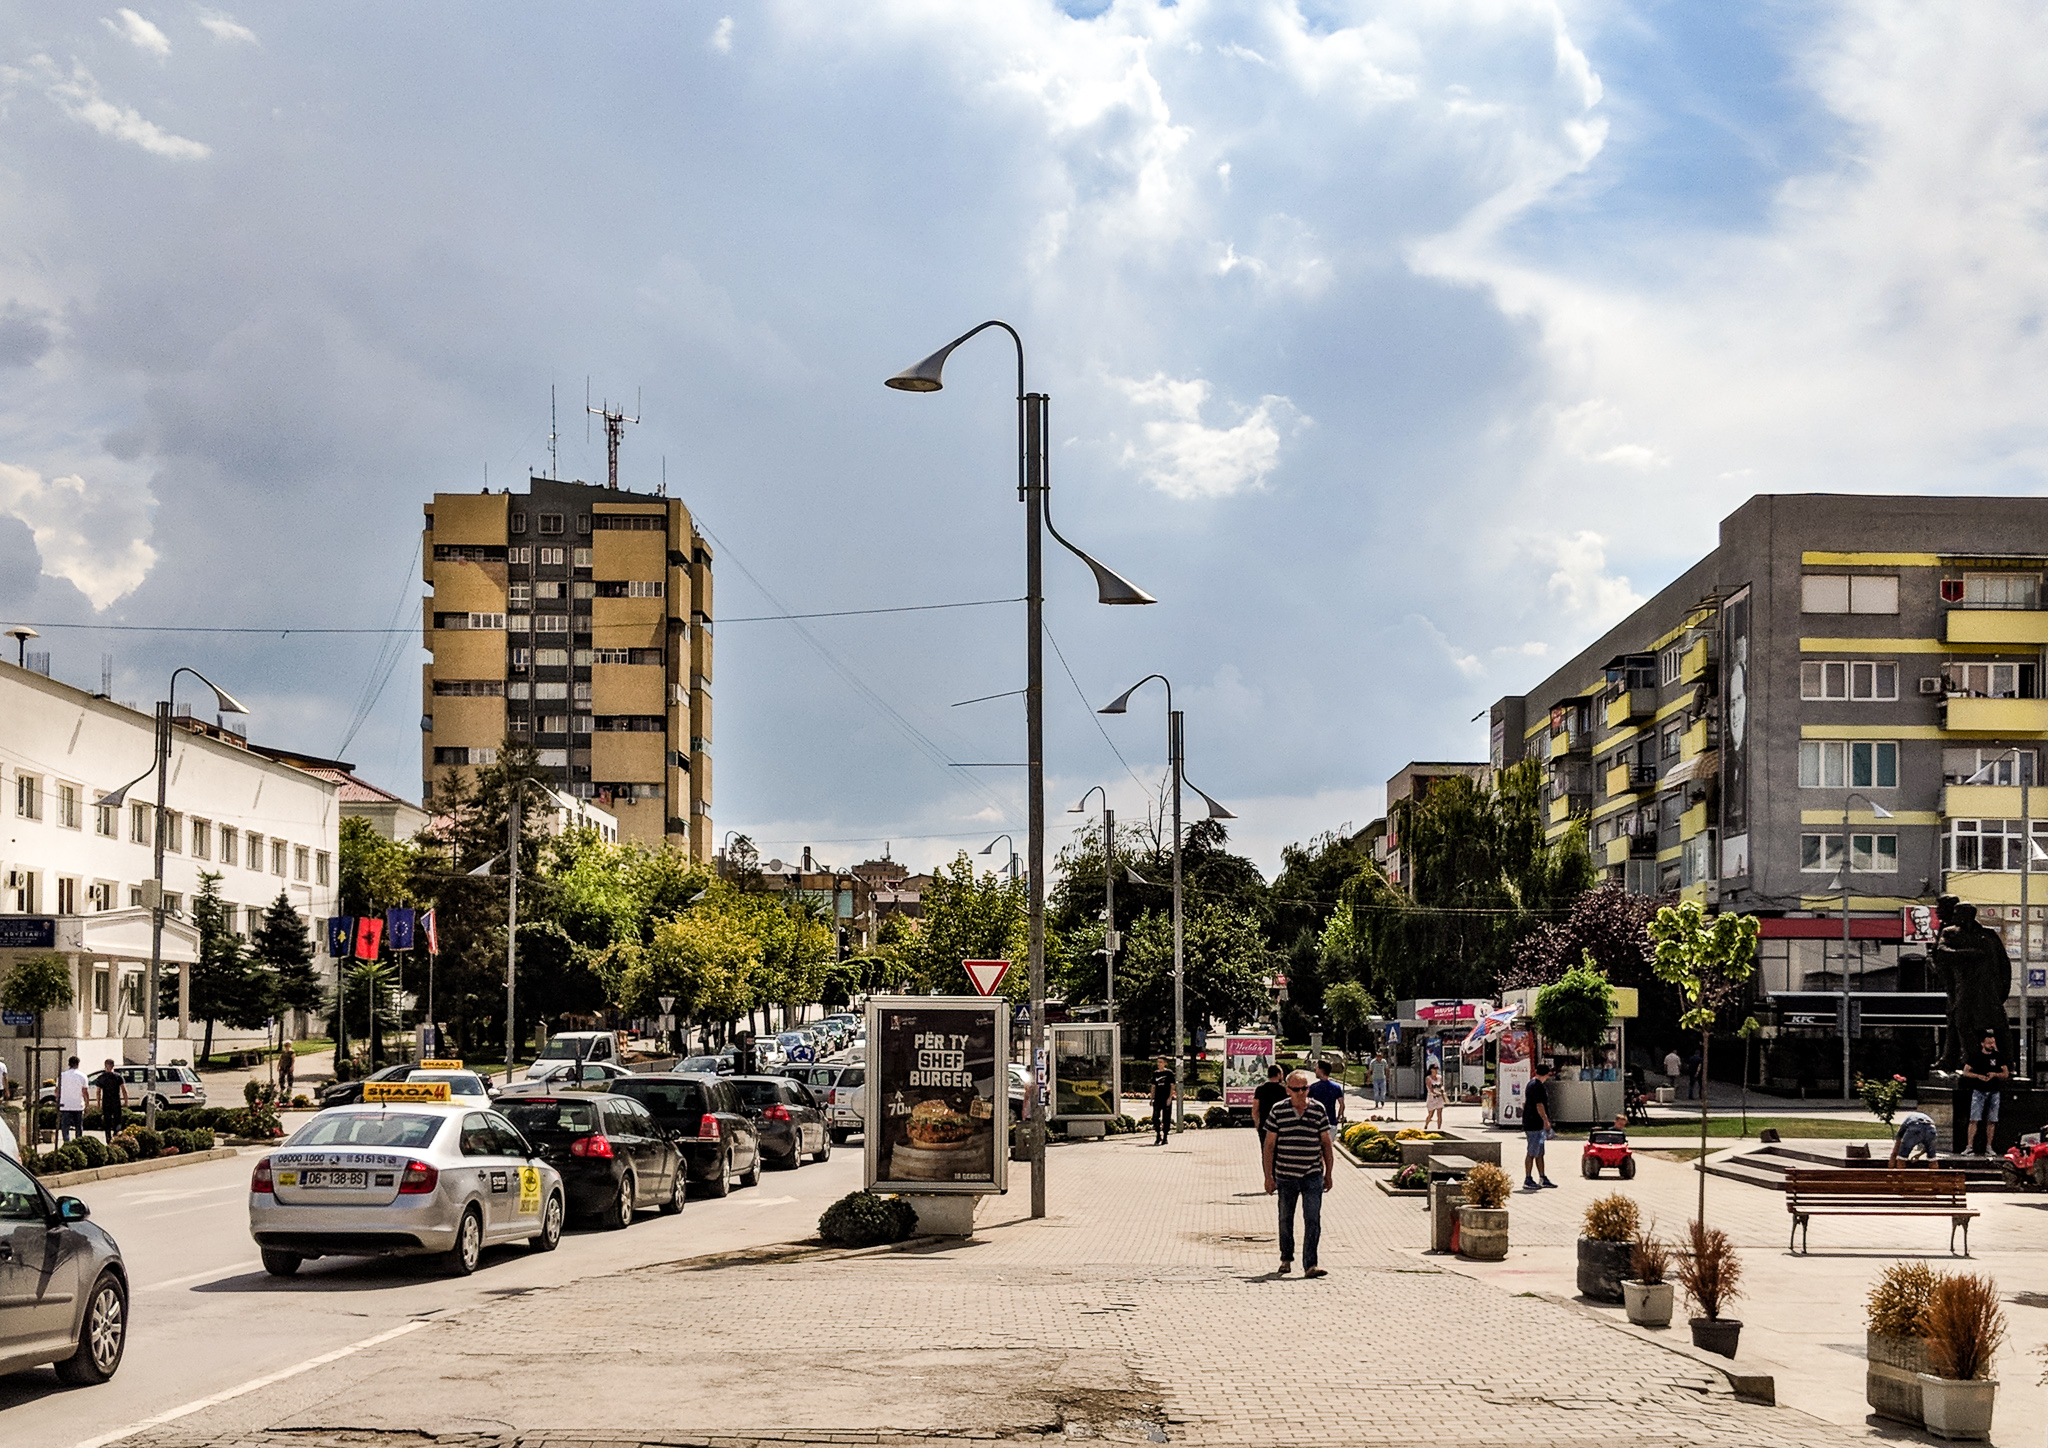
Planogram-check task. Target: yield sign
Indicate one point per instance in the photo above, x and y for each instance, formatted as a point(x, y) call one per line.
point(985, 975)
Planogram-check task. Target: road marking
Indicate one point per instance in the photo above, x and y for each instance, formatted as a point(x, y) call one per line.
point(195, 1276)
point(214, 1399)
point(151, 1198)
point(767, 1201)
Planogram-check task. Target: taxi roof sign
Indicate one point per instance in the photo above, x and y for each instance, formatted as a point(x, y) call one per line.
point(407, 1092)
point(440, 1065)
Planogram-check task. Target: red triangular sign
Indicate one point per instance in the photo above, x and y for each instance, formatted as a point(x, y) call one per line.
point(985, 975)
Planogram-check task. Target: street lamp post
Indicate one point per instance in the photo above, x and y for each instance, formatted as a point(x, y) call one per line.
point(1877, 811)
point(1109, 936)
point(160, 766)
point(511, 857)
point(989, 849)
point(1176, 762)
point(1033, 490)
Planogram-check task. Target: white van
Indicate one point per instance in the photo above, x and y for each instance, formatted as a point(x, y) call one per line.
point(585, 1046)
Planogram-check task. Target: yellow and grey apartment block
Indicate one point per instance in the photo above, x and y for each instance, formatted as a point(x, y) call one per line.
point(575, 618)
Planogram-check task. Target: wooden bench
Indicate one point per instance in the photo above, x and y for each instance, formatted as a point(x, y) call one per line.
point(1860, 1192)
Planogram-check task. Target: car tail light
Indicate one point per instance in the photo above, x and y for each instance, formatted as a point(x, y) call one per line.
point(419, 1179)
point(260, 1179)
point(592, 1145)
point(777, 1113)
point(707, 1127)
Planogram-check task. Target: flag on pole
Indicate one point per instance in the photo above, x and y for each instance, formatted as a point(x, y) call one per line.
point(427, 929)
point(398, 927)
point(369, 937)
point(341, 935)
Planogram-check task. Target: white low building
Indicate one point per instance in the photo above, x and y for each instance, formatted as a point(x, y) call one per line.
point(76, 880)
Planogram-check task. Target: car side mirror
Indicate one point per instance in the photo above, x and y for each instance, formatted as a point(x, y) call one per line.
point(71, 1209)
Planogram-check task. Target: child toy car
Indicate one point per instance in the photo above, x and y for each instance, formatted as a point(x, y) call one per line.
point(1607, 1148)
point(2025, 1165)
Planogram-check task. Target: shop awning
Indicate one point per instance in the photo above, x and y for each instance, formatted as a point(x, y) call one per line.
point(1704, 765)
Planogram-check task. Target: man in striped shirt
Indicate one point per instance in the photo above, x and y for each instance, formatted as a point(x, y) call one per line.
point(1299, 1161)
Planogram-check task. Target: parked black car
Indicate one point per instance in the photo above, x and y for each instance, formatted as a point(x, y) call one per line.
point(711, 1128)
point(614, 1157)
point(350, 1093)
point(788, 1117)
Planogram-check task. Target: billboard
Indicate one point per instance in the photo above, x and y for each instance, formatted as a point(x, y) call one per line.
point(937, 1081)
point(1245, 1059)
point(1516, 1057)
point(1736, 707)
point(1087, 1080)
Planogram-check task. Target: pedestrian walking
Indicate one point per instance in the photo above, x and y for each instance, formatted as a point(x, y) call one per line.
point(1162, 1102)
point(1988, 1075)
point(1433, 1100)
point(1379, 1080)
point(1328, 1094)
point(1265, 1097)
point(1300, 1159)
point(1673, 1066)
point(1916, 1133)
point(1693, 1063)
point(287, 1060)
point(1536, 1129)
point(71, 1089)
point(113, 1098)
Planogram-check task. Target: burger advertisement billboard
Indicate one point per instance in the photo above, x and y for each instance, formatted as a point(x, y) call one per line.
point(937, 1078)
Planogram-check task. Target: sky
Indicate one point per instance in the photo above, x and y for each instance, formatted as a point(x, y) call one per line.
point(1397, 348)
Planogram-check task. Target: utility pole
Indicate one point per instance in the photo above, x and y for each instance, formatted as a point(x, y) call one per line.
point(512, 928)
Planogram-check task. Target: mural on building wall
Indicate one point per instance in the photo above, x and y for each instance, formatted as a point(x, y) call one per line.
point(1735, 709)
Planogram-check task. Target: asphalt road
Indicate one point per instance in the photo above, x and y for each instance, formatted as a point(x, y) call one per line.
point(207, 1319)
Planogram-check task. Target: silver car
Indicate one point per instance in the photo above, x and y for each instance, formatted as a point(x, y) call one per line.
point(63, 1285)
point(402, 1180)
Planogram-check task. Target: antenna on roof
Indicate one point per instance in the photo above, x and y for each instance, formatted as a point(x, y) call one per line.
point(614, 430)
point(106, 676)
point(554, 437)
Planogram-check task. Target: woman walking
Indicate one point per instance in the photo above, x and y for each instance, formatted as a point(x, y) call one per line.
point(1433, 1101)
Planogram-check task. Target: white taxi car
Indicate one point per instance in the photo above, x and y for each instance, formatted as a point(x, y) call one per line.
point(403, 1178)
point(465, 1088)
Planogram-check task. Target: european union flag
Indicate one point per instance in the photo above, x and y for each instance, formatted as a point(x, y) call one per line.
point(398, 927)
point(340, 936)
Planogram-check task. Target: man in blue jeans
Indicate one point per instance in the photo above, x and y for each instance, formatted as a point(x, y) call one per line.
point(1536, 1129)
point(1300, 1159)
point(1987, 1075)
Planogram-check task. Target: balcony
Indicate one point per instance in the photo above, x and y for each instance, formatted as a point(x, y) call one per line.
point(1565, 744)
point(1697, 740)
point(1991, 802)
point(1564, 806)
point(2010, 717)
point(1630, 779)
point(1630, 705)
point(1693, 822)
point(1698, 661)
point(1623, 848)
point(2025, 627)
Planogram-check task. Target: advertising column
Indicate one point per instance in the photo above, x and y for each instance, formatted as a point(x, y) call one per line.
point(937, 1079)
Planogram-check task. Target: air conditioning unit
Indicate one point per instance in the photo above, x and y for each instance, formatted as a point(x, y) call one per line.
point(1930, 684)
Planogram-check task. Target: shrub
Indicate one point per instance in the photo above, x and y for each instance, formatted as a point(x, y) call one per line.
point(862, 1219)
point(1708, 1269)
point(1612, 1218)
point(258, 1122)
point(1965, 1325)
point(1379, 1148)
point(1412, 1178)
point(65, 1158)
point(202, 1139)
point(1216, 1116)
point(301, 1101)
point(1882, 1097)
point(1897, 1305)
point(92, 1149)
point(1486, 1185)
point(1647, 1258)
point(117, 1152)
point(148, 1143)
point(1207, 1093)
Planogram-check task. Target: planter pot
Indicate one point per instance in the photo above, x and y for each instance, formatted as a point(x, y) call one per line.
point(1957, 1409)
point(1891, 1383)
point(1716, 1334)
point(1602, 1265)
point(1648, 1303)
point(1483, 1233)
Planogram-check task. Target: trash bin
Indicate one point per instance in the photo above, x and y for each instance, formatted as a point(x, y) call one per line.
point(1445, 1197)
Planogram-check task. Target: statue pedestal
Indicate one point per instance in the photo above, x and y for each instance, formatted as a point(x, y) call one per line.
point(2024, 1109)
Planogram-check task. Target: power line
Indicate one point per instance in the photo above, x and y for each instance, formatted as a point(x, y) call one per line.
point(1092, 714)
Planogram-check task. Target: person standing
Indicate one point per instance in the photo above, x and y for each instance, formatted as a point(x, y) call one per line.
point(1536, 1128)
point(1264, 1099)
point(1328, 1094)
point(71, 1089)
point(1673, 1065)
point(1693, 1063)
point(1433, 1099)
point(1379, 1080)
point(1162, 1101)
point(113, 1098)
point(287, 1063)
point(1988, 1075)
point(1300, 1159)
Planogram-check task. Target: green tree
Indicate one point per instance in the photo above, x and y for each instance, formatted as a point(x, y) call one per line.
point(1708, 961)
point(38, 984)
point(226, 988)
point(968, 917)
point(708, 958)
point(1348, 1006)
point(1226, 966)
point(1575, 1010)
point(285, 950)
point(376, 874)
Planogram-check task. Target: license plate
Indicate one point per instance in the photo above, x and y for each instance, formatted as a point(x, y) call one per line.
point(334, 1179)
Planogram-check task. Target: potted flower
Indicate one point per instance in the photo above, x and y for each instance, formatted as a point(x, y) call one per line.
point(1644, 1292)
point(1607, 1238)
point(1483, 1220)
point(1895, 1341)
point(1709, 1271)
point(1965, 1326)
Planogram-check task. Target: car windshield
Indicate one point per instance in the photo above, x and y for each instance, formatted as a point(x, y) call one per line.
point(551, 1118)
point(365, 1128)
point(854, 1076)
point(758, 1093)
point(789, 1038)
point(566, 1047)
point(460, 1083)
point(665, 1098)
point(701, 1063)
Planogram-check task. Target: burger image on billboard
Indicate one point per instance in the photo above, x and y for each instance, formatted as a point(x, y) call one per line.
point(936, 1126)
point(935, 1074)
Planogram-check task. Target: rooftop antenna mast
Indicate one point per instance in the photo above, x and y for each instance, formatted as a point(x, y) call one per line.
point(554, 437)
point(614, 430)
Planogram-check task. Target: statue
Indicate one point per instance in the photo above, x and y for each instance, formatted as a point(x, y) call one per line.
point(1970, 962)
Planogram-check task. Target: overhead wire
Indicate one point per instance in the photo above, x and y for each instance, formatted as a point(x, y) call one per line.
point(389, 654)
point(1092, 713)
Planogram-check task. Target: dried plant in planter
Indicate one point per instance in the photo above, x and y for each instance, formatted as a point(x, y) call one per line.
point(1486, 1185)
point(1612, 1218)
point(1965, 1325)
point(1648, 1260)
point(1708, 1269)
point(1897, 1305)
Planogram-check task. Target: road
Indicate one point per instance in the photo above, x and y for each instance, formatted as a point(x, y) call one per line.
point(207, 1318)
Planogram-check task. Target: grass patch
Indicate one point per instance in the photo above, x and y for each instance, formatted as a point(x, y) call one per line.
point(1789, 1127)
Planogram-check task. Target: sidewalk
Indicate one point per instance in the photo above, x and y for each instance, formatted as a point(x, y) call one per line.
point(1143, 1310)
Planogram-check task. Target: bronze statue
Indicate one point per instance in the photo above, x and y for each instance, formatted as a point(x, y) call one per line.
point(1970, 962)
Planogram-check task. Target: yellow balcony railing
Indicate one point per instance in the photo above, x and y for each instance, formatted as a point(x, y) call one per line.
point(1997, 716)
point(1618, 850)
point(1991, 802)
point(1630, 704)
point(1695, 662)
point(1560, 745)
point(1560, 809)
point(2024, 626)
point(1693, 743)
point(1627, 779)
point(1693, 821)
point(1696, 893)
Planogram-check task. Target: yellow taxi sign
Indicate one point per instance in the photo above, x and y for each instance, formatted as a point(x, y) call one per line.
point(440, 1065)
point(410, 1092)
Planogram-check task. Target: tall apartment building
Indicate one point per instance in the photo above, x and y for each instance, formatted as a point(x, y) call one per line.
point(575, 618)
point(1833, 653)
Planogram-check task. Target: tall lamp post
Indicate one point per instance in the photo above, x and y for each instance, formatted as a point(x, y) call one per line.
point(1109, 936)
point(1034, 491)
point(1176, 762)
point(160, 766)
point(1877, 811)
point(2023, 776)
point(990, 849)
point(511, 857)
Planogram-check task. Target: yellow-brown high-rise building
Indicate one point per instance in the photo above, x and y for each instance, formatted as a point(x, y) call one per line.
point(575, 618)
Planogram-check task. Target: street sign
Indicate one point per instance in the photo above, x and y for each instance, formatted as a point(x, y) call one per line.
point(17, 1018)
point(29, 932)
point(400, 1092)
point(668, 1003)
point(985, 975)
point(1023, 1016)
point(2037, 979)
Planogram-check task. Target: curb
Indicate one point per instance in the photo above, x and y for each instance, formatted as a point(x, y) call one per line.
point(136, 1168)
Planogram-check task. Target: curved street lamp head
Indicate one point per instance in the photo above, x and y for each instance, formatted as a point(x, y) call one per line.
point(1216, 811)
point(1122, 702)
point(1110, 586)
point(1877, 810)
point(925, 376)
point(990, 847)
point(116, 799)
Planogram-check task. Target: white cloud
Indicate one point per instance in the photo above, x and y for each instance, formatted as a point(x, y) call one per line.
point(1184, 457)
point(226, 29)
point(1579, 584)
point(139, 33)
point(94, 535)
point(78, 96)
point(721, 35)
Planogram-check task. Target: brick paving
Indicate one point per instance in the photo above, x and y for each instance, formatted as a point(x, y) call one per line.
point(1143, 1310)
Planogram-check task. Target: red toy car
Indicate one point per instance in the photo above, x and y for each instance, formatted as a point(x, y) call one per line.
point(1607, 1148)
point(2025, 1166)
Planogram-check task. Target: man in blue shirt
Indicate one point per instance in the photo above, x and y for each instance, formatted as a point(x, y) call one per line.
point(1328, 1094)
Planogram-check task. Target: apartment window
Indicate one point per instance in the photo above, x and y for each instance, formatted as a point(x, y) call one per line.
point(469, 621)
point(102, 989)
point(445, 755)
point(519, 623)
point(582, 688)
point(228, 838)
point(1820, 679)
point(550, 524)
point(582, 557)
point(1869, 854)
point(551, 557)
point(519, 555)
point(1672, 736)
point(302, 862)
point(1873, 681)
point(100, 894)
point(1668, 663)
point(469, 688)
point(630, 522)
point(582, 588)
point(522, 658)
point(1990, 845)
point(582, 658)
point(1998, 766)
point(581, 723)
point(519, 595)
point(67, 806)
point(138, 824)
point(103, 822)
point(28, 796)
point(552, 758)
point(551, 658)
point(551, 623)
point(519, 522)
point(1842, 763)
point(254, 846)
point(1841, 593)
point(582, 522)
point(554, 723)
point(548, 589)
point(67, 895)
point(202, 840)
point(519, 724)
point(134, 895)
point(1993, 681)
point(1999, 590)
point(174, 832)
point(277, 857)
point(611, 656)
point(322, 866)
point(252, 919)
point(551, 690)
